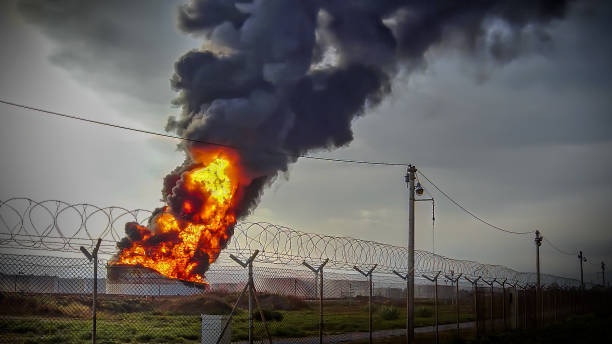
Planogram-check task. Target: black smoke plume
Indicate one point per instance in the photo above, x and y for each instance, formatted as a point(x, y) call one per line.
point(279, 78)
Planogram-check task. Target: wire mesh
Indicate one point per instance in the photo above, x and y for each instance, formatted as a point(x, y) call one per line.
point(54, 225)
point(47, 298)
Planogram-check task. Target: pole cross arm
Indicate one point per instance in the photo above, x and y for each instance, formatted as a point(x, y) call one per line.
point(400, 275)
point(94, 253)
point(475, 281)
point(247, 262)
point(310, 267)
point(455, 279)
point(366, 274)
point(501, 284)
point(317, 270)
point(86, 253)
point(432, 279)
point(489, 283)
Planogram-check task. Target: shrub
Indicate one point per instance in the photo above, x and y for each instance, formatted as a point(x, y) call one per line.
point(198, 305)
point(131, 305)
point(278, 302)
point(424, 312)
point(366, 308)
point(389, 313)
point(270, 315)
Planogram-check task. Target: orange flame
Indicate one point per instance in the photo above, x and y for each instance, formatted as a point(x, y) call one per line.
point(183, 245)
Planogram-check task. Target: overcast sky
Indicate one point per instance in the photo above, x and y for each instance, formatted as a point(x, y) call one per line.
point(526, 144)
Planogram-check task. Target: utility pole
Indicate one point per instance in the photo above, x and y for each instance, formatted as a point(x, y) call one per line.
point(410, 177)
point(538, 242)
point(582, 259)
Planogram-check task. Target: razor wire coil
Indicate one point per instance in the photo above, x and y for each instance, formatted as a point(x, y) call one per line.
point(54, 225)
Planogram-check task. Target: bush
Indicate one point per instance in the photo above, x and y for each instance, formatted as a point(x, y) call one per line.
point(366, 308)
point(127, 305)
point(270, 315)
point(278, 302)
point(424, 312)
point(389, 313)
point(198, 305)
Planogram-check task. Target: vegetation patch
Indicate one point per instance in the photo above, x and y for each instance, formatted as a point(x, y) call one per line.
point(389, 313)
point(269, 315)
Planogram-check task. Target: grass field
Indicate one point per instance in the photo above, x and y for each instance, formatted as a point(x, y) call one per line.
point(581, 329)
point(65, 318)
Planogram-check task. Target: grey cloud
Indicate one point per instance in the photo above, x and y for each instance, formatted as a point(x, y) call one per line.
point(116, 46)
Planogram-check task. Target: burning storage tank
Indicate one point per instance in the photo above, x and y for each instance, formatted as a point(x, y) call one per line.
point(184, 237)
point(137, 280)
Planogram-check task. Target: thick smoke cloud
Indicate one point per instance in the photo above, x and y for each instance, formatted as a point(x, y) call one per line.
point(279, 78)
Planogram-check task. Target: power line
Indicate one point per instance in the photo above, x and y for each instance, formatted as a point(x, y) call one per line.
point(558, 249)
point(469, 212)
point(176, 137)
point(311, 157)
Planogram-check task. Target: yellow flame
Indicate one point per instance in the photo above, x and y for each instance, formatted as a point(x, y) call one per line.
point(174, 259)
point(214, 180)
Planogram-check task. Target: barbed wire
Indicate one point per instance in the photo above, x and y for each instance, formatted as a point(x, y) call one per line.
point(54, 225)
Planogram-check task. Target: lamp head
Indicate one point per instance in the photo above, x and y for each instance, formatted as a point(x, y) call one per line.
point(419, 189)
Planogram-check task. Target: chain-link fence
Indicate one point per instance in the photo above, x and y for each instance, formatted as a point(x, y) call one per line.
point(361, 295)
point(46, 299)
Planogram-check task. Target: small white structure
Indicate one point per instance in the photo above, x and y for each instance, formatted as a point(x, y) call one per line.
point(212, 325)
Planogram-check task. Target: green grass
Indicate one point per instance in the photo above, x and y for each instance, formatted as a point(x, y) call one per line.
point(140, 320)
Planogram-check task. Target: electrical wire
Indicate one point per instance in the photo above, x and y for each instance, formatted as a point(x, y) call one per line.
point(469, 212)
point(176, 137)
point(311, 157)
point(558, 249)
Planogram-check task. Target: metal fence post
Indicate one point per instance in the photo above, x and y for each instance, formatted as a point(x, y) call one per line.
point(252, 297)
point(526, 293)
point(93, 257)
point(405, 278)
point(542, 304)
point(490, 284)
point(319, 272)
point(516, 303)
point(250, 264)
point(456, 281)
point(435, 280)
point(475, 286)
point(369, 276)
point(503, 285)
point(555, 305)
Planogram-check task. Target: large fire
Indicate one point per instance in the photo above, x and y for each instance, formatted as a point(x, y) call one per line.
point(184, 239)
